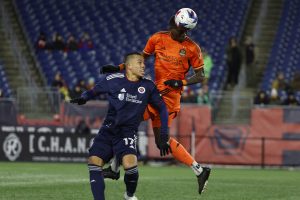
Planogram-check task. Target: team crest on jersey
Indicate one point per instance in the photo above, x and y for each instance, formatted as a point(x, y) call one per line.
point(121, 96)
point(141, 90)
point(182, 52)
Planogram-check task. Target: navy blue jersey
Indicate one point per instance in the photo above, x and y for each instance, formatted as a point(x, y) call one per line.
point(128, 100)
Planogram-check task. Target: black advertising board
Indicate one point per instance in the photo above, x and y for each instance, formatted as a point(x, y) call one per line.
point(19, 144)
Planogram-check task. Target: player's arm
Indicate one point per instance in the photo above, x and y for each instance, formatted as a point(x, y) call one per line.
point(100, 88)
point(111, 68)
point(198, 77)
point(157, 102)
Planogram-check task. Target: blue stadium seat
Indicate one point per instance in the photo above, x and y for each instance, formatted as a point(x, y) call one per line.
point(116, 30)
point(285, 51)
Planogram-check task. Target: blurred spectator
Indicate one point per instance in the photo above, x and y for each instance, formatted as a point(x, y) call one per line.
point(291, 100)
point(203, 95)
point(71, 43)
point(250, 60)
point(76, 92)
point(208, 63)
point(58, 84)
point(275, 100)
point(295, 85)
point(41, 42)
point(58, 81)
point(64, 91)
point(261, 98)
point(58, 42)
point(188, 95)
point(90, 84)
point(82, 85)
point(280, 83)
point(234, 61)
point(86, 43)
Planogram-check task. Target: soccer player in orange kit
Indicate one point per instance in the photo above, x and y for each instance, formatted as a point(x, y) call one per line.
point(174, 53)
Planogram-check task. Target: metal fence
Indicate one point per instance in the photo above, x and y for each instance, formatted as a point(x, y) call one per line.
point(38, 102)
point(231, 107)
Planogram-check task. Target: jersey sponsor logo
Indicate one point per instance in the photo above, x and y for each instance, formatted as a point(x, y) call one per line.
point(129, 97)
point(141, 90)
point(132, 98)
point(171, 59)
point(117, 75)
point(12, 147)
point(121, 96)
point(182, 52)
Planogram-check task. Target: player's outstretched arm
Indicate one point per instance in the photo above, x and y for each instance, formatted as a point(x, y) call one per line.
point(111, 68)
point(100, 87)
point(79, 101)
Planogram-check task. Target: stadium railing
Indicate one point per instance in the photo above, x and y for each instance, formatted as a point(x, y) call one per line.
point(18, 57)
point(36, 103)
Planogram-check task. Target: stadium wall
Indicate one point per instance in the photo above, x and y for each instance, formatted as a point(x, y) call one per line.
point(272, 138)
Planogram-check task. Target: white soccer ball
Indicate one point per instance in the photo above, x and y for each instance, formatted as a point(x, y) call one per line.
point(186, 17)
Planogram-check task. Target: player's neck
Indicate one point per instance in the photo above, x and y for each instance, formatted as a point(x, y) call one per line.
point(180, 38)
point(132, 77)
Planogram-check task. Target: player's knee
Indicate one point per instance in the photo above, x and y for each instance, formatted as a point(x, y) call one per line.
point(129, 161)
point(94, 160)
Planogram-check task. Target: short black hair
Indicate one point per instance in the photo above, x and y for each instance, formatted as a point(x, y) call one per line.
point(127, 56)
point(172, 23)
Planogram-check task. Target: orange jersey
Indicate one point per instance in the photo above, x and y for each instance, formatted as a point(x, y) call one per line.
point(172, 61)
point(172, 58)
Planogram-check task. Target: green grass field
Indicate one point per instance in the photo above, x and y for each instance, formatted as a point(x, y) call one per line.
point(39, 181)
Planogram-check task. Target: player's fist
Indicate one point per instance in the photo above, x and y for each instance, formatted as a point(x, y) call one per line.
point(164, 146)
point(174, 83)
point(109, 69)
point(79, 101)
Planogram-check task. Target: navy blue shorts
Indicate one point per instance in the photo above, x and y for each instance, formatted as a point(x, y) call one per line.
point(110, 142)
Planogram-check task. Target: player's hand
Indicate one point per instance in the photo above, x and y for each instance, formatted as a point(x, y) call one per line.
point(164, 145)
point(174, 83)
point(79, 101)
point(109, 69)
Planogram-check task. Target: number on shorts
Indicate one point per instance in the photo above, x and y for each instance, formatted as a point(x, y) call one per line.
point(131, 142)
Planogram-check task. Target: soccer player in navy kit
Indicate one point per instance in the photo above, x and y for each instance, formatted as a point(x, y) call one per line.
point(128, 96)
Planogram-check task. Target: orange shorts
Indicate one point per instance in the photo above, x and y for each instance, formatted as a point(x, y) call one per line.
point(172, 101)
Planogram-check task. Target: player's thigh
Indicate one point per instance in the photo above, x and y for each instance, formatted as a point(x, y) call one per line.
point(102, 146)
point(156, 122)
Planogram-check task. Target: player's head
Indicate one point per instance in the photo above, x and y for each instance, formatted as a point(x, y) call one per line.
point(178, 33)
point(185, 19)
point(135, 65)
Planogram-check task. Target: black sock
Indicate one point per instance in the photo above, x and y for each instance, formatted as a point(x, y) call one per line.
point(131, 179)
point(96, 181)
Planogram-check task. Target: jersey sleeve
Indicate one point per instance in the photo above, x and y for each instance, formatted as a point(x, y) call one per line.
point(100, 88)
point(196, 60)
point(150, 46)
point(158, 103)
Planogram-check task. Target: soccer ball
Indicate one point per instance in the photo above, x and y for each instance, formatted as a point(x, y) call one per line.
point(186, 17)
